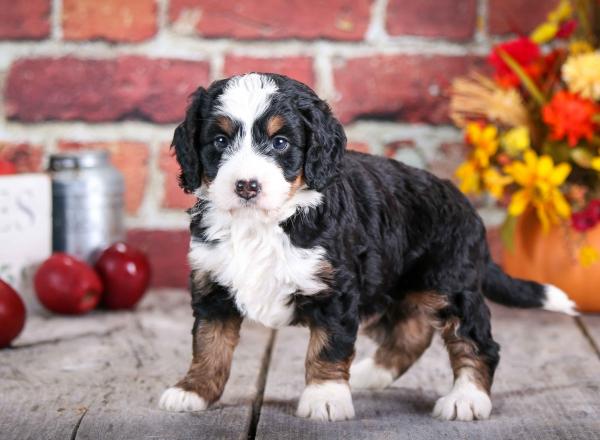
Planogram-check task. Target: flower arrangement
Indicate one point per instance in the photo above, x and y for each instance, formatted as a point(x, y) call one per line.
point(533, 125)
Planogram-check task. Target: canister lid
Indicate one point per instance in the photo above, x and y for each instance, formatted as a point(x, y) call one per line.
point(74, 160)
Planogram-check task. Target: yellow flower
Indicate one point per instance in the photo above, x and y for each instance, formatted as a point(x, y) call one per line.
point(484, 139)
point(580, 46)
point(495, 182)
point(539, 179)
point(582, 74)
point(588, 255)
point(563, 11)
point(469, 177)
point(596, 163)
point(516, 140)
point(544, 32)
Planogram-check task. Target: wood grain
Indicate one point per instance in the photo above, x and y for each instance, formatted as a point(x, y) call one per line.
point(103, 380)
point(547, 387)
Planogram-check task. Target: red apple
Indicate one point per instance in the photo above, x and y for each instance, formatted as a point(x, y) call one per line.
point(67, 285)
point(7, 167)
point(125, 272)
point(12, 314)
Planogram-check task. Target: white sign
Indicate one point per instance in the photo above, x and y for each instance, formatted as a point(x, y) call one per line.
point(25, 229)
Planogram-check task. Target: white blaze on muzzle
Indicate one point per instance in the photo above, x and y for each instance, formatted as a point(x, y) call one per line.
point(244, 100)
point(247, 164)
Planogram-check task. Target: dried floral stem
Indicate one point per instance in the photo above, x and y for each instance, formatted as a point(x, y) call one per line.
point(478, 97)
point(525, 79)
point(583, 10)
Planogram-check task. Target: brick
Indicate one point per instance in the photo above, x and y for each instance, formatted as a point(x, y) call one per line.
point(299, 68)
point(451, 19)
point(24, 19)
point(450, 156)
point(173, 195)
point(272, 19)
point(517, 16)
point(361, 147)
point(111, 20)
point(27, 158)
point(127, 87)
point(167, 252)
point(412, 88)
point(130, 158)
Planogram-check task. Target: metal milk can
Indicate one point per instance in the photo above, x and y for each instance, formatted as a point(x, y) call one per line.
point(87, 203)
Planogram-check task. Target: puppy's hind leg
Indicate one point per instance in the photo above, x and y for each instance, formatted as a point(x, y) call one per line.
point(403, 335)
point(474, 356)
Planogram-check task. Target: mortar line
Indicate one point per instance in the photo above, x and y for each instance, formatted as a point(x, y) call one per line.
point(56, 8)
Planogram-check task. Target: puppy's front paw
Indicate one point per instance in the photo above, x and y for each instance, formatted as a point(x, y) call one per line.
point(366, 374)
point(465, 402)
point(179, 400)
point(326, 401)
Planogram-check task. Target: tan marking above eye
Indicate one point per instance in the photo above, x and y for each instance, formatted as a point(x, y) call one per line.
point(274, 124)
point(225, 124)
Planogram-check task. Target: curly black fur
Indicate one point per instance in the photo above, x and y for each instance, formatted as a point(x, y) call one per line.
point(389, 230)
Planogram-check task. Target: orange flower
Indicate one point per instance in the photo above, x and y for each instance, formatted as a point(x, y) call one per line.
point(570, 117)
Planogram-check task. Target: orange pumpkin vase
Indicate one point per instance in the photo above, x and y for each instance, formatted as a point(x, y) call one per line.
point(551, 258)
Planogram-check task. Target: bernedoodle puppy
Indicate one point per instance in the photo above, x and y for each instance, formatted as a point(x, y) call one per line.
point(292, 229)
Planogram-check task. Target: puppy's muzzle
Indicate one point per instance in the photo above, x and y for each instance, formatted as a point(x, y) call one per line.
point(247, 189)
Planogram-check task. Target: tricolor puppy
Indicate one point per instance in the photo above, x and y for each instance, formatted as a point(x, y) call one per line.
point(291, 229)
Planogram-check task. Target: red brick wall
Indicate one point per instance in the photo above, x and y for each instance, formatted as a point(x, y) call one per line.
point(115, 74)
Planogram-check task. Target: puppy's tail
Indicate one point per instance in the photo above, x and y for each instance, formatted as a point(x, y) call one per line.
point(514, 292)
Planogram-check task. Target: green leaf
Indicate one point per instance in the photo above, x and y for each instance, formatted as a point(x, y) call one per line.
point(522, 75)
point(582, 157)
point(507, 232)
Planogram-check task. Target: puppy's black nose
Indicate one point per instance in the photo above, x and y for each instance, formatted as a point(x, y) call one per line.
point(247, 189)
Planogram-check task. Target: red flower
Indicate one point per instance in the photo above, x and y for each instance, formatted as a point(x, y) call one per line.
point(523, 51)
point(581, 222)
point(567, 28)
point(570, 117)
point(588, 218)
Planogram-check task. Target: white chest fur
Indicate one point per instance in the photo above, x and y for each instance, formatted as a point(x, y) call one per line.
point(256, 260)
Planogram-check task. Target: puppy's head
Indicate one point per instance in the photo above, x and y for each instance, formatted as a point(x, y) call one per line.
point(252, 141)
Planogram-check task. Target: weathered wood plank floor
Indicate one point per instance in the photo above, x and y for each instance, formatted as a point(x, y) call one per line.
point(100, 376)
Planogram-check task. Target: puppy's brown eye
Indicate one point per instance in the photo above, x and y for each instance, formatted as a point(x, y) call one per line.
point(221, 142)
point(280, 143)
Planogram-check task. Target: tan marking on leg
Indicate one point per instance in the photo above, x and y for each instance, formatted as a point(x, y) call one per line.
point(429, 303)
point(274, 124)
point(464, 357)
point(411, 334)
point(213, 347)
point(319, 370)
point(405, 344)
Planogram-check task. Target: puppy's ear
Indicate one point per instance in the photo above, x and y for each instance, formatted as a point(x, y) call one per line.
point(186, 143)
point(326, 143)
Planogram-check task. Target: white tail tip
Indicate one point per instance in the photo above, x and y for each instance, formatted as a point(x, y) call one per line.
point(558, 301)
